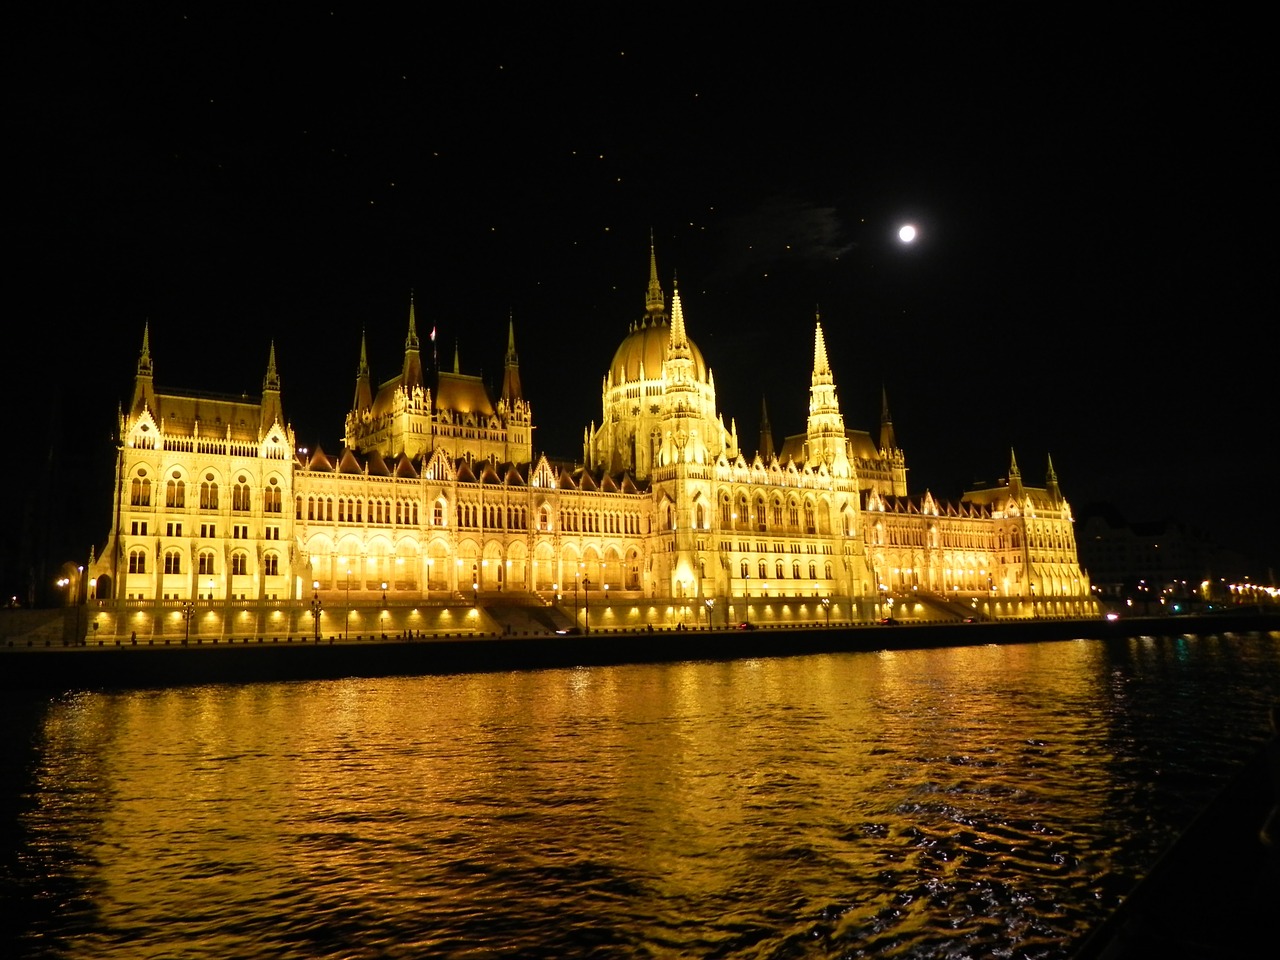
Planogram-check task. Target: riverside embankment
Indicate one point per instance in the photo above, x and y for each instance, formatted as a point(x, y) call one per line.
point(125, 664)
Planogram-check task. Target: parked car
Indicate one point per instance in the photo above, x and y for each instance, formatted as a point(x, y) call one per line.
point(744, 625)
point(888, 621)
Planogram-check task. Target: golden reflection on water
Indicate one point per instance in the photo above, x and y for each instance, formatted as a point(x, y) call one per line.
point(875, 801)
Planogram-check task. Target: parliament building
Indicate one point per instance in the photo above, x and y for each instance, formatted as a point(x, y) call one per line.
point(438, 514)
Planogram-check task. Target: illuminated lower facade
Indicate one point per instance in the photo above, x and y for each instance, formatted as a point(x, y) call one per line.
point(438, 516)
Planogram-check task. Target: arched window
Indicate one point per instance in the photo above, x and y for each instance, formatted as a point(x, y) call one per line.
point(208, 496)
point(172, 561)
point(759, 513)
point(271, 498)
point(204, 562)
point(795, 569)
point(724, 511)
point(240, 497)
point(762, 570)
point(271, 564)
point(140, 492)
point(826, 570)
point(778, 570)
point(701, 513)
point(813, 570)
point(137, 561)
point(239, 564)
point(544, 519)
point(175, 494)
point(777, 514)
point(746, 571)
point(808, 517)
point(793, 514)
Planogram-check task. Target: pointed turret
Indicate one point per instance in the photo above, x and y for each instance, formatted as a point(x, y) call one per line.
point(511, 392)
point(678, 342)
point(655, 302)
point(1015, 475)
point(272, 413)
point(457, 367)
point(766, 433)
point(364, 389)
point(826, 436)
point(411, 373)
point(1051, 483)
point(887, 439)
point(144, 392)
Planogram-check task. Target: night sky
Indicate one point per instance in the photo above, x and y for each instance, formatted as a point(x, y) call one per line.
point(1087, 283)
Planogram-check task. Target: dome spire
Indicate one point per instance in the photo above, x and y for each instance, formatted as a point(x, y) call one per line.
point(655, 302)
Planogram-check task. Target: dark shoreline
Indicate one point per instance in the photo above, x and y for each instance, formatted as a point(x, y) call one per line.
point(123, 666)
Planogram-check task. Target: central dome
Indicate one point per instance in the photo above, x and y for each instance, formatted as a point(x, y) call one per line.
point(647, 344)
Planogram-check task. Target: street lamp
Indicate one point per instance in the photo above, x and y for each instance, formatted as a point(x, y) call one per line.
point(746, 602)
point(586, 604)
point(346, 618)
point(826, 607)
point(384, 591)
point(710, 602)
point(575, 597)
point(316, 607)
point(188, 612)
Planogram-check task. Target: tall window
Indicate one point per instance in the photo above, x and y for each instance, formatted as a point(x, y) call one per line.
point(240, 497)
point(175, 494)
point(763, 571)
point(271, 565)
point(271, 499)
point(208, 496)
point(137, 561)
point(205, 562)
point(140, 492)
point(172, 561)
point(239, 564)
point(777, 567)
point(808, 517)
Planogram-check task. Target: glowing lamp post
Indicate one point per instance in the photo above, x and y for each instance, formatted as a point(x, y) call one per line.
point(346, 620)
point(586, 604)
point(316, 607)
point(826, 608)
point(188, 612)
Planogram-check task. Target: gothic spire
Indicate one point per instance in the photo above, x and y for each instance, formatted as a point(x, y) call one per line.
point(511, 389)
point(411, 372)
point(272, 380)
point(821, 368)
point(766, 432)
point(654, 302)
point(271, 411)
point(679, 341)
point(144, 394)
point(364, 389)
point(887, 439)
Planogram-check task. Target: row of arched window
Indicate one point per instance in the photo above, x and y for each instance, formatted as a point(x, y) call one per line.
point(175, 495)
point(779, 570)
point(205, 562)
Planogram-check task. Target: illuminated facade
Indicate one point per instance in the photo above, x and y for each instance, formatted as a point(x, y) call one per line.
point(439, 498)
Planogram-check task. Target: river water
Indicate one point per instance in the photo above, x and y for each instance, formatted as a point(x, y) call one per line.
point(970, 802)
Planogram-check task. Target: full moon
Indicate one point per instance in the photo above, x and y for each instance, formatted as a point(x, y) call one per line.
point(907, 233)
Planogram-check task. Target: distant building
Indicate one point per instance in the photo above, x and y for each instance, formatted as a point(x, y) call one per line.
point(439, 496)
point(1152, 559)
